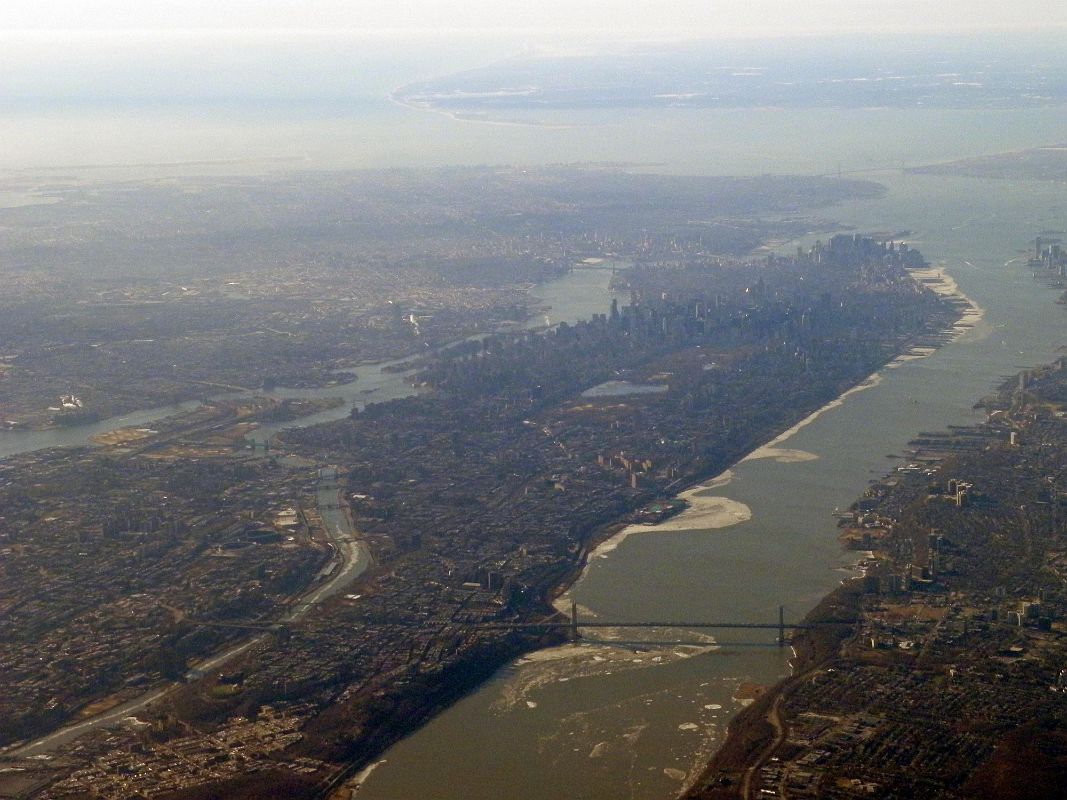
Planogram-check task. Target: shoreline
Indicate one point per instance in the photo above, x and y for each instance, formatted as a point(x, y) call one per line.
point(470, 117)
point(810, 649)
point(615, 533)
point(938, 280)
point(757, 735)
point(753, 735)
point(716, 507)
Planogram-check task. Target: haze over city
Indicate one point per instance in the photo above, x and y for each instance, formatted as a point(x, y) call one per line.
point(591, 399)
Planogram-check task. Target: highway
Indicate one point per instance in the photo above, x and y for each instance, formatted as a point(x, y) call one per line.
point(354, 558)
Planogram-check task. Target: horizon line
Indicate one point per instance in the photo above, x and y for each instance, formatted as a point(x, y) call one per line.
point(635, 34)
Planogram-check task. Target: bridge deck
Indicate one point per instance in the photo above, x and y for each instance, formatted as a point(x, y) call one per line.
point(601, 624)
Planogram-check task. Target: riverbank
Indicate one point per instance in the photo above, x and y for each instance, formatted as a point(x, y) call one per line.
point(938, 280)
point(902, 627)
point(705, 510)
point(556, 516)
point(706, 507)
point(708, 510)
point(963, 610)
point(754, 734)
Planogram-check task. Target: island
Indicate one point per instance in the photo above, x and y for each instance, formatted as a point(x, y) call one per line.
point(478, 499)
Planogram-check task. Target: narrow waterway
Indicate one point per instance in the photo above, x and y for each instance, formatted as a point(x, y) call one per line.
point(599, 721)
point(575, 296)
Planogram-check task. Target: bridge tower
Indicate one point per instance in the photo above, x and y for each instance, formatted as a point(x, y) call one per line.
point(574, 622)
point(781, 626)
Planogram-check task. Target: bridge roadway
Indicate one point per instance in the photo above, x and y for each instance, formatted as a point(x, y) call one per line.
point(271, 625)
point(573, 624)
point(708, 625)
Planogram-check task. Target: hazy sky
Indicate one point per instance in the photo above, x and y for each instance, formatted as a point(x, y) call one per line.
point(654, 18)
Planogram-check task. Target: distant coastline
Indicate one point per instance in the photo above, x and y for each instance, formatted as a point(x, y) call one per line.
point(1048, 163)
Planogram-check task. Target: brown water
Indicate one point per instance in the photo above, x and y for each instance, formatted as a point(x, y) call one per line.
point(603, 720)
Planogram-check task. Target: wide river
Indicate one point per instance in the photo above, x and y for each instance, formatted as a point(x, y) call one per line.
point(604, 721)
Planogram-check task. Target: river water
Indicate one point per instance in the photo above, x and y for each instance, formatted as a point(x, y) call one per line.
point(575, 296)
point(600, 720)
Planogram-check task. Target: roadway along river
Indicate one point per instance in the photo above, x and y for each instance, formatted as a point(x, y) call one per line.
point(572, 297)
point(351, 559)
point(604, 722)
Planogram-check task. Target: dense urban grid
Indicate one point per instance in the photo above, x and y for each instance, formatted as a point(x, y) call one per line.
point(478, 500)
point(110, 553)
point(331, 469)
point(127, 296)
